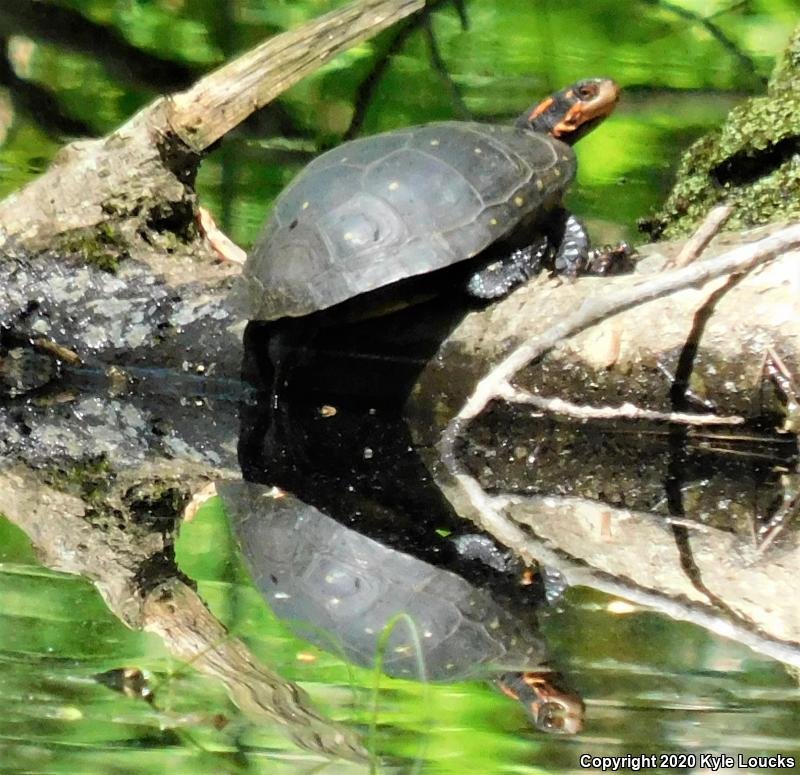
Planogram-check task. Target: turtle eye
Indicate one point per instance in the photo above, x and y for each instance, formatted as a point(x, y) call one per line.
point(549, 718)
point(586, 91)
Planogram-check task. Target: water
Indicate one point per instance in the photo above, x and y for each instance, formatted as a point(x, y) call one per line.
point(651, 685)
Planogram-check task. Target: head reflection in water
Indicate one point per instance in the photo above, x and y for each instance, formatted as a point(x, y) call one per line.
point(551, 708)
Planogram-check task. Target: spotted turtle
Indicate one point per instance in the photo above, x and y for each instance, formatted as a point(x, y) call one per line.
point(342, 591)
point(379, 210)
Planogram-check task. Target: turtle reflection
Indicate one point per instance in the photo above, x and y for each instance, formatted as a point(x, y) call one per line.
point(334, 584)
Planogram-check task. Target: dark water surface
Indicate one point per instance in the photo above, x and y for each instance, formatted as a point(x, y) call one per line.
point(651, 685)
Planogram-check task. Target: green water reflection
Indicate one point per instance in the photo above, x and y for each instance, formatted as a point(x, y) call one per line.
point(651, 686)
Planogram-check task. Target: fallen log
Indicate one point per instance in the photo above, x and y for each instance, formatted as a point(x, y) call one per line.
point(627, 338)
point(693, 337)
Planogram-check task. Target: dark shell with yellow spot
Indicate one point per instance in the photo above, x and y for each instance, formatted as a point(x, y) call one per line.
point(384, 208)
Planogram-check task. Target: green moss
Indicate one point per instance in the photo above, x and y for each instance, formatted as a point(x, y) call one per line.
point(750, 163)
point(147, 503)
point(157, 501)
point(103, 246)
point(91, 480)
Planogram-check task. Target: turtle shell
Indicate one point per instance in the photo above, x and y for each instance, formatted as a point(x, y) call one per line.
point(384, 208)
point(341, 590)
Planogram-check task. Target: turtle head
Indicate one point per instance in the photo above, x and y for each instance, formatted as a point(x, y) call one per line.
point(573, 112)
point(552, 708)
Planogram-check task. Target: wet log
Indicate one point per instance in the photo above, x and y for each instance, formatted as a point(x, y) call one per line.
point(124, 328)
point(176, 613)
point(702, 348)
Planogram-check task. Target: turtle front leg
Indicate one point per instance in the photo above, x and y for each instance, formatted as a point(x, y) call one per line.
point(572, 241)
point(502, 275)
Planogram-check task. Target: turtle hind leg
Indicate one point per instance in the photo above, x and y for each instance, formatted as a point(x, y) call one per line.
point(502, 275)
point(572, 241)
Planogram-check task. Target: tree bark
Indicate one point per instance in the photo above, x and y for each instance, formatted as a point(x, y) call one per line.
point(634, 351)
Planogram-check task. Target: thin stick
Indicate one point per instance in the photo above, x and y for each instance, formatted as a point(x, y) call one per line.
point(59, 350)
point(697, 243)
point(779, 370)
point(221, 243)
point(626, 411)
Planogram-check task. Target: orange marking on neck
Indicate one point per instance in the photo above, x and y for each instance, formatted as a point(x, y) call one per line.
point(570, 122)
point(508, 691)
point(540, 108)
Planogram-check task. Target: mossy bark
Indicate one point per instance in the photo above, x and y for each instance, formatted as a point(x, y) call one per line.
point(751, 162)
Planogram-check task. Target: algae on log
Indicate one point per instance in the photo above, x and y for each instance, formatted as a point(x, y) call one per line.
point(132, 192)
point(751, 163)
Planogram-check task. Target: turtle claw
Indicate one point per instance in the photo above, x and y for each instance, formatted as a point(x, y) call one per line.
point(611, 259)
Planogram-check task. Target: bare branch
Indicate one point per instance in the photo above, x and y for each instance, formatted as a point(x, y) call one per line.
point(440, 66)
point(490, 511)
point(223, 99)
point(697, 243)
point(138, 182)
point(626, 411)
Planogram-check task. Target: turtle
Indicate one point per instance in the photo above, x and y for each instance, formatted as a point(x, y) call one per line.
point(379, 210)
point(345, 592)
